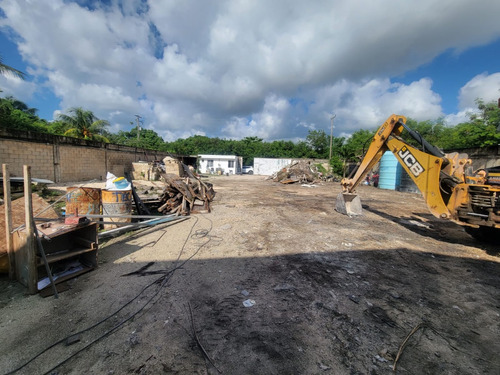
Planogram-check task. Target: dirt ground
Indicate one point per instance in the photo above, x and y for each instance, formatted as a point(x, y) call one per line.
point(328, 294)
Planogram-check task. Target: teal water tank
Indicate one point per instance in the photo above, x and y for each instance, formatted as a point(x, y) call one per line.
point(390, 172)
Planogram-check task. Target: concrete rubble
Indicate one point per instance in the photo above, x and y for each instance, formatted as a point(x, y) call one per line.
point(298, 171)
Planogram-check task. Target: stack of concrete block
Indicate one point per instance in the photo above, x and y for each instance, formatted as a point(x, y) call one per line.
point(141, 171)
point(173, 166)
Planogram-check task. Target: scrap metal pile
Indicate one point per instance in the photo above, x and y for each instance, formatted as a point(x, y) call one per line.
point(180, 194)
point(298, 171)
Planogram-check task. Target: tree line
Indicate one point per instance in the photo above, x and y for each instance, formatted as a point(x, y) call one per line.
point(481, 130)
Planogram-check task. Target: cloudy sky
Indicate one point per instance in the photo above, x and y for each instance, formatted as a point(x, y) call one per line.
point(236, 68)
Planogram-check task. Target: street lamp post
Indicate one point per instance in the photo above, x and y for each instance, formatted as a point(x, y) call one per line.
point(331, 134)
point(138, 118)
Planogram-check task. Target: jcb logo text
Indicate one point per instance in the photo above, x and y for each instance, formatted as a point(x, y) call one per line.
point(410, 161)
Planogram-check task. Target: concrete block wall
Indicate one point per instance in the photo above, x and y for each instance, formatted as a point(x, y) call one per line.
point(119, 159)
point(39, 156)
point(484, 157)
point(78, 163)
point(63, 159)
point(119, 162)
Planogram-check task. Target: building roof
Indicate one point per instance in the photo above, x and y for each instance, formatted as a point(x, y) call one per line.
point(217, 156)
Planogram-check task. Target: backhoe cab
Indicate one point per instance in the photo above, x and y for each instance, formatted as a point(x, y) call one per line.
point(472, 201)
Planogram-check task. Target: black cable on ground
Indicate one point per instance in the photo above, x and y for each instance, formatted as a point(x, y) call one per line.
point(162, 280)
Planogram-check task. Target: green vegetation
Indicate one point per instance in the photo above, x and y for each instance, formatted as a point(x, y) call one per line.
point(83, 124)
point(482, 130)
point(5, 69)
point(146, 139)
point(14, 114)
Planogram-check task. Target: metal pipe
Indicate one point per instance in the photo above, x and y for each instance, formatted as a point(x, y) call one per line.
point(134, 226)
point(95, 216)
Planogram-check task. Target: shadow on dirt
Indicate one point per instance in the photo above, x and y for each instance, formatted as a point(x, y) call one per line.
point(427, 225)
point(343, 312)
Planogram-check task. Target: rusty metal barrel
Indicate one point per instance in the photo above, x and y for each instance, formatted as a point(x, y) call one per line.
point(116, 202)
point(84, 200)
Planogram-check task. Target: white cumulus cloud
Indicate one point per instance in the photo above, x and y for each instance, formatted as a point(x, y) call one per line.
point(236, 68)
point(483, 86)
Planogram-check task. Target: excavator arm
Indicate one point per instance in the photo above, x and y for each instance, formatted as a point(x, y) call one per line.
point(471, 201)
point(425, 168)
point(426, 171)
point(377, 148)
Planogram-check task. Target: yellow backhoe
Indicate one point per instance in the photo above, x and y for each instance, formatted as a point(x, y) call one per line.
point(450, 189)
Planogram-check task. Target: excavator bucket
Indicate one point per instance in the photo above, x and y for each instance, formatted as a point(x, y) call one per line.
point(348, 204)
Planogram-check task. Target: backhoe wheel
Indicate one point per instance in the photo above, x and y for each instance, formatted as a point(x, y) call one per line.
point(485, 234)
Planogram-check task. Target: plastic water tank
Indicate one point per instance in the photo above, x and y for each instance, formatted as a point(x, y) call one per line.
point(390, 172)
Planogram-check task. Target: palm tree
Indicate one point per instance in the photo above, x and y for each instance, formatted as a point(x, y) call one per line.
point(84, 124)
point(5, 69)
point(17, 104)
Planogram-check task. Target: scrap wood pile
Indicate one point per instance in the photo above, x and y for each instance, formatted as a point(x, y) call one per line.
point(298, 171)
point(179, 195)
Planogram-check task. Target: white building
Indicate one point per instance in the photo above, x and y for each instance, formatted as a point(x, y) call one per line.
point(269, 166)
point(220, 164)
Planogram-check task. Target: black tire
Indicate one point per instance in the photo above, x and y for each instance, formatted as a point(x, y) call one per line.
point(250, 172)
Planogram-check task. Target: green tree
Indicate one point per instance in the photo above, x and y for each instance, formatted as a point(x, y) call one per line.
point(84, 124)
point(482, 130)
point(250, 147)
point(470, 135)
point(489, 114)
point(319, 142)
point(432, 131)
point(343, 155)
point(57, 127)
point(6, 69)
point(358, 143)
point(194, 145)
point(276, 149)
point(14, 114)
point(350, 150)
point(148, 138)
point(302, 150)
point(17, 104)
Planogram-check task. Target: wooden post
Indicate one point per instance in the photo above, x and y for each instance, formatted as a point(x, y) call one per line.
point(30, 239)
point(56, 158)
point(8, 221)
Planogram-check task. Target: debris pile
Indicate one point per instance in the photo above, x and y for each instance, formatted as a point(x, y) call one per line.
point(151, 171)
point(172, 166)
point(298, 171)
point(180, 194)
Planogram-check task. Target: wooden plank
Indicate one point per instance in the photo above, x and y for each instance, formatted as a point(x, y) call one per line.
point(8, 222)
point(30, 240)
point(19, 236)
point(19, 243)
